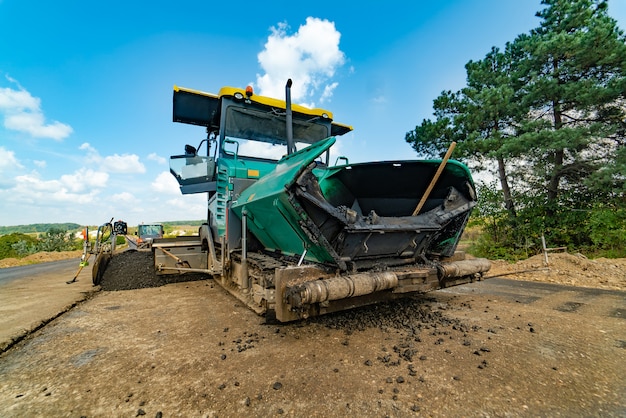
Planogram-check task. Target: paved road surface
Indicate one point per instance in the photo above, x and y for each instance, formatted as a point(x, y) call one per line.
point(30, 296)
point(9, 274)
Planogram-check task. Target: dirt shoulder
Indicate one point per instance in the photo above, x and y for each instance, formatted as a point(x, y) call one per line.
point(568, 269)
point(40, 257)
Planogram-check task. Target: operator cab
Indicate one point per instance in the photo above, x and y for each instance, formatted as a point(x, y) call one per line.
point(249, 133)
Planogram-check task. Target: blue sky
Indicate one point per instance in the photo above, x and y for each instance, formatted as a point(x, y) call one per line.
point(86, 88)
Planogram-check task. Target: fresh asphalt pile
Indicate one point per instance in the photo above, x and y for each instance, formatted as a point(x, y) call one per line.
point(134, 269)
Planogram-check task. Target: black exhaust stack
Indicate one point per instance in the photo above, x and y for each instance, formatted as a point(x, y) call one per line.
point(291, 146)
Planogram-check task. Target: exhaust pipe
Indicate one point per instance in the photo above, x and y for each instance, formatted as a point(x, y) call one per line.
point(291, 146)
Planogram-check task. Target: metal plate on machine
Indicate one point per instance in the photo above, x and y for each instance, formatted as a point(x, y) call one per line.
point(194, 107)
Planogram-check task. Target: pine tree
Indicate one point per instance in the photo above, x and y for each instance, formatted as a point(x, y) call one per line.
point(574, 85)
point(550, 113)
point(479, 117)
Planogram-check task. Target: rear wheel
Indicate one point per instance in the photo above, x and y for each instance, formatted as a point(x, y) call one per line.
point(99, 266)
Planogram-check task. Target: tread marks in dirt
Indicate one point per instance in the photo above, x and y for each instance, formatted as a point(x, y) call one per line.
point(134, 269)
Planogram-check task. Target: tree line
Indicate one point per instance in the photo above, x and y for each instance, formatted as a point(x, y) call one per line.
point(16, 242)
point(545, 116)
point(18, 245)
point(38, 228)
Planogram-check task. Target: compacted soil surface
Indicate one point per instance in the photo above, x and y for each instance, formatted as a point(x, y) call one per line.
point(160, 348)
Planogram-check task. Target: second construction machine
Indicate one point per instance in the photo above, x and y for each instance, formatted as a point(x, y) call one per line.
point(292, 235)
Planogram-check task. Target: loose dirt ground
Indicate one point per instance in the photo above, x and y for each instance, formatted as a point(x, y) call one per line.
point(190, 349)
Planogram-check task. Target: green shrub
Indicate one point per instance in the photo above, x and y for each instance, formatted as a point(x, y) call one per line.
point(17, 245)
point(607, 230)
point(57, 239)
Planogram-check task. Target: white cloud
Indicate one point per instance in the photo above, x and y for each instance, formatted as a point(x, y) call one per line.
point(87, 146)
point(40, 163)
point(81, 187)
point(93, 157)
point(123, 164)
point(154, 157)
point(328, 92)
point(22, 113)
point(34, 124)
point(123, 197)
point(8, 162)
point(192, 206)
point(8, 165)
point(84, 179)
point(309, 57)
point(17, 99)
point(166, 183)
point(117, 164)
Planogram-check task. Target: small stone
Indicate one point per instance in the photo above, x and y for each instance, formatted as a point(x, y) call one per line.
point(247, 401)
point(159, 415)
point(223, 356)
point(400, 379)
point(415, 408)
point(457, 378)
point(221, 387)
point(277, 386)
point(368, 362)
point(140, 412)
